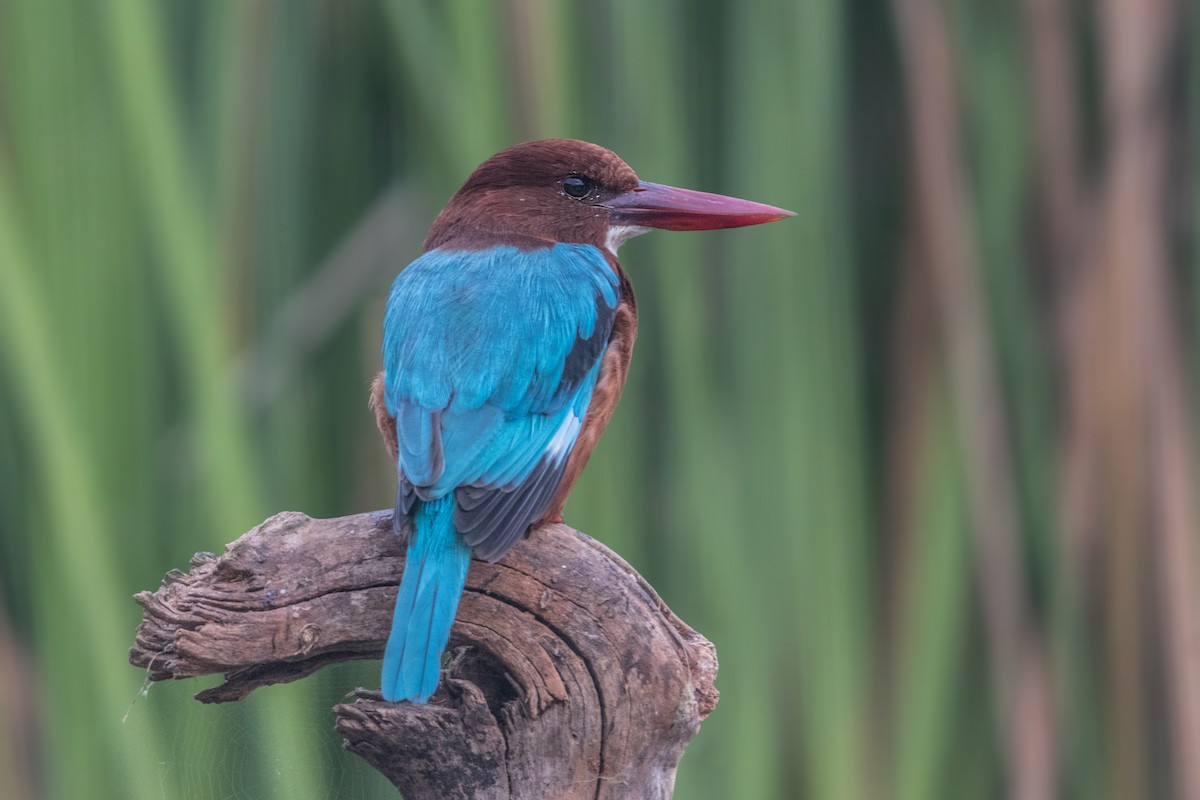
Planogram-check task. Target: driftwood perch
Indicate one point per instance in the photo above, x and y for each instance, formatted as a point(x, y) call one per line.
point(569, 678)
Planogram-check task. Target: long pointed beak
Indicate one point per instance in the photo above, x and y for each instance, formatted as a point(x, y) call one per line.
point(652, 205)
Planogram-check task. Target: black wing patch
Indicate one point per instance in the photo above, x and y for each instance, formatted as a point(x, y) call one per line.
point(406, 495)
point(586, 352)
point(492, 518)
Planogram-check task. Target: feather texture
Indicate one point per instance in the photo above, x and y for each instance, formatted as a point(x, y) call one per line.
point(434, 575)
point(490, 360)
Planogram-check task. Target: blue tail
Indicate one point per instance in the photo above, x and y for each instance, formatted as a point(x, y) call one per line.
point(433, 581)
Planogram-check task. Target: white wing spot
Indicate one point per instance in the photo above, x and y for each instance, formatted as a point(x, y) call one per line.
point(564, 437)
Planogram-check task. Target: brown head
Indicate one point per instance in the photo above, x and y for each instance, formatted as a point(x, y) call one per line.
point(563, 190)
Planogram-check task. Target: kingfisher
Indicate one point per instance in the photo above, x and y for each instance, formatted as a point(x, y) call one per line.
point(505, 349)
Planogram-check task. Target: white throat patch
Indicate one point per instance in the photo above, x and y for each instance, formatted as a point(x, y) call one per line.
point(620, 234)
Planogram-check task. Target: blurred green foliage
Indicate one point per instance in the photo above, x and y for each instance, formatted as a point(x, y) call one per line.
point(201, 207)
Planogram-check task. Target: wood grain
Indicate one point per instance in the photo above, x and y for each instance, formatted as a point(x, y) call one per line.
point(569, 677)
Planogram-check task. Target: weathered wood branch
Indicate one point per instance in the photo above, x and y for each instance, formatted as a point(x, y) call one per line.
point(570, 678)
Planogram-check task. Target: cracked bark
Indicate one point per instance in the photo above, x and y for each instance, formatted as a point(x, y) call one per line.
point(569, 676)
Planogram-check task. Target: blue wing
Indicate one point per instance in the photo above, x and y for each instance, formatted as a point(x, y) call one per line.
point(490, 358)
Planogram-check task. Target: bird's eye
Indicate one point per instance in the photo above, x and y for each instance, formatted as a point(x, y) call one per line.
point(578, 186)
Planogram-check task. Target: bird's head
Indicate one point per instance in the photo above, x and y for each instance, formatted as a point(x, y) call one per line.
point(565, 190)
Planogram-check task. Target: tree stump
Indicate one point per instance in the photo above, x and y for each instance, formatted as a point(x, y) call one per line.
point(569, 677)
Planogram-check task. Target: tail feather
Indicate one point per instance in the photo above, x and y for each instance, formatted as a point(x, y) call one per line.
point(434, 576)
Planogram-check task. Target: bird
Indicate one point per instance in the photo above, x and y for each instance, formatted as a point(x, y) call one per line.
point(506, 345)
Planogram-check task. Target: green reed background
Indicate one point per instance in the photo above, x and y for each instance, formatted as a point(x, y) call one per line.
point(920, 461)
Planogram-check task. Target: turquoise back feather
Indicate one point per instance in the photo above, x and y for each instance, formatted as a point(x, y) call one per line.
point(490, 358)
